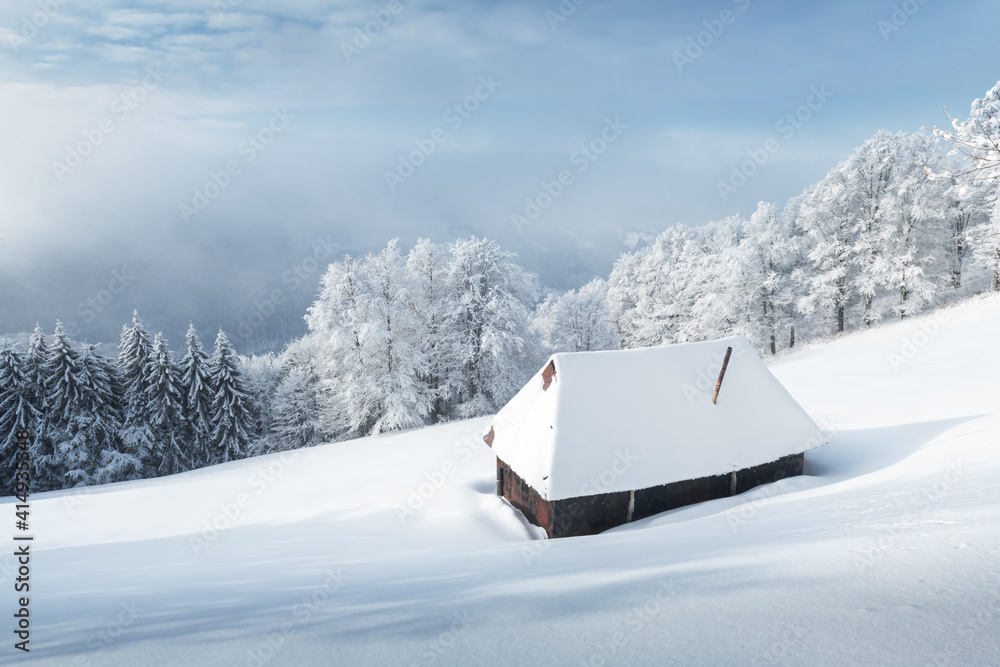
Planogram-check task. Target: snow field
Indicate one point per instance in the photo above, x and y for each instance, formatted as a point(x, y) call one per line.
point(394, 550)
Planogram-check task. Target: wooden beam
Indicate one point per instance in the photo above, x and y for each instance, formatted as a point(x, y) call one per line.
point(722, 374)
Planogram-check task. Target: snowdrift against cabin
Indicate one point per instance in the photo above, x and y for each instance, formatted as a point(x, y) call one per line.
point(627, 420)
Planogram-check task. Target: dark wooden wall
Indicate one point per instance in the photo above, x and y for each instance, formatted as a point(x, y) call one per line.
point(587, 515)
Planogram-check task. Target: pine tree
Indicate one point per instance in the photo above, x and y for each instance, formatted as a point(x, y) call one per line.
point(133, 362)
point(17, 412)
point(64, 394)
point(195, 382)
point(34, 369)
point(166, 418)
point(232, 424)
point(116, 463)
point(95, 427)
point(35, 382)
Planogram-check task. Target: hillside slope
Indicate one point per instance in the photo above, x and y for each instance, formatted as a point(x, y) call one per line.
point(395, 550)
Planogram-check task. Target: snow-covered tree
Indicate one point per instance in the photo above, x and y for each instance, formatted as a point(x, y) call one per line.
point(230, 418)
point(96, 447)
point(870, 172)
point(427, 276)
point(84, 414)
point(764, 264)
point(335, 321)
point(133, 361)
point(261, 376)
point(977, 139)
point(166, 412)
point(374, 364)
point(295, 409)
point(35, 382)
point(17, 412)
point(577, 320)
point(651, 292)
point(825, 217)
point(714, 285)
point(197, 393)
point(34, 368)
point(912, 262)
point(490, 300)
point(63, 393)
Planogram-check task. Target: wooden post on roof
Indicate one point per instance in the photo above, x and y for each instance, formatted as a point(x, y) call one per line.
point(722, 374)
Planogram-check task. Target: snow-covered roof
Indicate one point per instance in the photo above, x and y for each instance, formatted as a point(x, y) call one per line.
point(631, 419)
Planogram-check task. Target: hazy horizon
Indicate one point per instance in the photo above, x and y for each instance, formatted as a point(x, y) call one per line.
point(195, 155)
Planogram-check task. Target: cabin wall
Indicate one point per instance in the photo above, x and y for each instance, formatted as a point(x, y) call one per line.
point(521, 495)
point(587, 515)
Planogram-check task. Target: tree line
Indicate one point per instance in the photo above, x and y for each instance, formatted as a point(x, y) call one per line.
point(451, 331)
point(94, 420)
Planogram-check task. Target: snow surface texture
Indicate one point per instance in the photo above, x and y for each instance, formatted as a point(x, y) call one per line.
point(886, 553)
point(632, 419)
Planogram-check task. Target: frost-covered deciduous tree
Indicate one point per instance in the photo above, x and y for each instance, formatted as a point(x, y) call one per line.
point(870, 173)
point(911, 263)
point(427, 275)
point(296, 414)
point(977, 139)
point(395, 363)
point(577, 320)
point(373, 365)
point(714, 289)
point(825, 218)
point(490, 300)
point(230, 418)
point(261, 376)
point(651, 292)
point(765, 262)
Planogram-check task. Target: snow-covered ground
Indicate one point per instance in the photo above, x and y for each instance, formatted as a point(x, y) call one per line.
point(395, 551)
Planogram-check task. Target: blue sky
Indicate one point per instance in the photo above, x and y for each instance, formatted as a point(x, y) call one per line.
point(223, 71)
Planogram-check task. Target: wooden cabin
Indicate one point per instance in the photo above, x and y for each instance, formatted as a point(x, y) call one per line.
point(599, 439)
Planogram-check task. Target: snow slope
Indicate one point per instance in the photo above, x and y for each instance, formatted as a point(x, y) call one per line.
point(641, 418)
point(886, 553)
